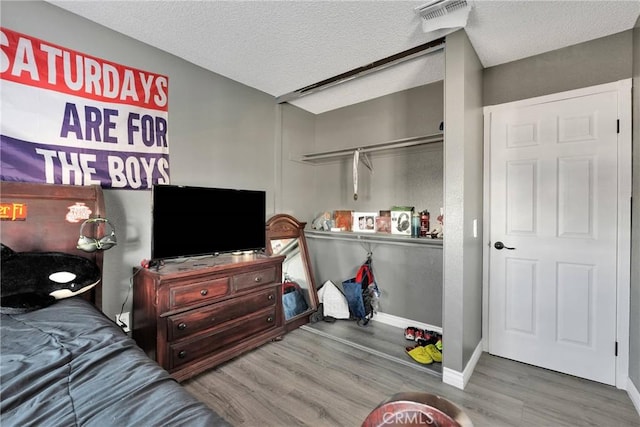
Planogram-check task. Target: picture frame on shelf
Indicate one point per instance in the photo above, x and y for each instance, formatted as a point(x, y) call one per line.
point(383, 224)
point(342, 220)
point(364, 222)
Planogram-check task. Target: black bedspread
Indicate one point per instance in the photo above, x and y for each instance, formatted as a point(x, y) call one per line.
point(68, 365)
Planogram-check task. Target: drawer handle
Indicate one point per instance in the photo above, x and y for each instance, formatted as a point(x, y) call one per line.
point(258, 279)
point(182, 326)
point(182, 354)
point(204, 292)
point(270, 297)
point(269, 319)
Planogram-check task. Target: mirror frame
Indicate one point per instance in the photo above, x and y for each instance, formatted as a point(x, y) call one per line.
point(284, 226)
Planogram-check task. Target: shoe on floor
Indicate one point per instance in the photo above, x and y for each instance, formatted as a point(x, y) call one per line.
point(410, 333)
point(419, 354)
point(419, 334)
point(430, 337)
point(421, 342)
point(433, 352)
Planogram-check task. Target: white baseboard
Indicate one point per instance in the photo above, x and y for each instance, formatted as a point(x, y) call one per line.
point(454, 378)
point(401, 322)
point(460, 379)
point(634, 394)
point(449, 376)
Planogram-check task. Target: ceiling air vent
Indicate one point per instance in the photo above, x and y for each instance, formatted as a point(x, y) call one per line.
point(441, 14)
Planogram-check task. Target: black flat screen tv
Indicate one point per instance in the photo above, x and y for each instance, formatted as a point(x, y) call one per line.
point(192, 221)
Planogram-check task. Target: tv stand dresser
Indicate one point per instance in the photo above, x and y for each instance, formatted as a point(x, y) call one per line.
point(194, 315)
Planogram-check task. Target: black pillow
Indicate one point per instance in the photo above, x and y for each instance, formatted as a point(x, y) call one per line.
point(32, 280)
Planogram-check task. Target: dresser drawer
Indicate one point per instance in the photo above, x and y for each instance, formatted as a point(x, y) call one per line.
point(183, 352)
point(254, 278)
point(184, 324)
point(181, 295)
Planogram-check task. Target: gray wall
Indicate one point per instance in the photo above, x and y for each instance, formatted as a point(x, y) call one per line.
point(634, 323)
point(296, 179)
point(603, 60)
point(409, 276)
point(463, 201)
point(215, 124)
point(410, 177)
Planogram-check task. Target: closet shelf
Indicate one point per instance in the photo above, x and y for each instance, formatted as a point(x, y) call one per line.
point(374, 237)
point(389, 145)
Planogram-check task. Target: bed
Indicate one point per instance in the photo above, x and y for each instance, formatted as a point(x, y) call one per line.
point(67, 363)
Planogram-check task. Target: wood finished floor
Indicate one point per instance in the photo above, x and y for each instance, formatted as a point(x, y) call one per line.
point(381, 339)
point(307, 379)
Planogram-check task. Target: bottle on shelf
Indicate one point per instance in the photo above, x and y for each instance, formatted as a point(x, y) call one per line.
point(415, 225)
point(424, 223)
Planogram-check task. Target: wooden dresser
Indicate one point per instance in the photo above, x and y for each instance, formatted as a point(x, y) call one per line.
point(194, 315)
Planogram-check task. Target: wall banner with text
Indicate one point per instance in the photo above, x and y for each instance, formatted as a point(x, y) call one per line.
point(71, 118)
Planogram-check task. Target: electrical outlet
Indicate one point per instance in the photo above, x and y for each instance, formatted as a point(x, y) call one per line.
point(124, 321)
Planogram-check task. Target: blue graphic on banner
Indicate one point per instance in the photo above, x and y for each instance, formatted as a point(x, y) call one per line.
point(33, 162)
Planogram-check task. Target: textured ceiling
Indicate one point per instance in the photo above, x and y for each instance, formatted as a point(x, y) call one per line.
point(281, 46)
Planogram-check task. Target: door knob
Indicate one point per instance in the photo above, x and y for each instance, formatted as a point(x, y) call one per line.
point(500, 245)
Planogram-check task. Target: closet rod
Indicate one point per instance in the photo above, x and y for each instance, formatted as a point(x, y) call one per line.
point(415, 52)
point(398, 143)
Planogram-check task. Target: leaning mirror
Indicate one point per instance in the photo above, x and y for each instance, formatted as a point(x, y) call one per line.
point(285, 236)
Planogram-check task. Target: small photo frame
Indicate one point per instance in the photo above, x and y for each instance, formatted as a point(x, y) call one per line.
point(364, 222)
point(342, 220)
point(383, 224)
